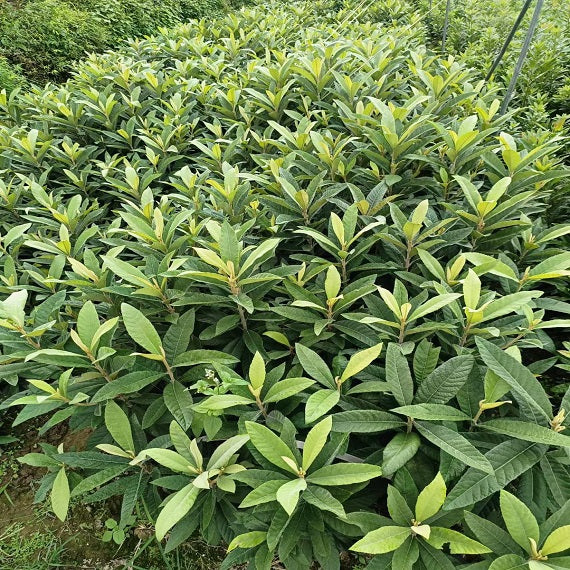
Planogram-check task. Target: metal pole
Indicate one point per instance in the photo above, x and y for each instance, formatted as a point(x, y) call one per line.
point(524, 51)
point(511, 35)
point(445, 24)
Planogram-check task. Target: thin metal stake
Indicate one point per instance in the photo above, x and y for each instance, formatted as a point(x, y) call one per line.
point(445, 24)
point(524, 51)
point(510, 37)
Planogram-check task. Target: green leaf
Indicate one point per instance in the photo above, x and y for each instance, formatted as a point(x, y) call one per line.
point(60, 495)
point(406, 555)
point(398, 508)
point(265, 493)
point(527, 432)
point(458, 543)
point(323, 500)
point(315, 441)
point(509, 562)
point(471, 290)
point(87, 323)
point(141, 330)
point(425, 360)
point(521, 380)
point(178, 335)
point(118, 425)
point(445, 381)
point(286, 388)
point(270, 445)
point(519, 520)
point(434, 412)
point(558, 541)
point(344, 474)
point(226, 450)
point(179, 403)
point(177, 507)
point(433, 304)
point(431, 499)
point(314, 365)
point(132, 382)
point(319, 403)
point(13, 307)
point(248, 540)
point(257, 372)
point(194, 357)
point(385, 539)
point(288, 494)
point(365, 421)
point(455, 444)
point(399, 450)
point(170, 459)
point(360, 361)
point(398, 375)
point(491, 535)
point(509, 460)
point(332, 283)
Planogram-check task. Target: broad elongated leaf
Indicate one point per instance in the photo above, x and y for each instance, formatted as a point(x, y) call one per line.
point(118, 425)
point(434, 412)
point(314, 366)
point(365, 421)
point(431, 499)
point(319, 403)
point(344, 474)
point(141, 330)
point(288, 494)
point(385, 539)
point(60, 495)
point(522, 382)
point(315, 441)
point(527, 432)
point(177, 507)
point(272, 447)
point(399, 450)
point(398, 375)
point(458, 543)
point(455, 444)
point(509, 460)
point(445, 381)
point(519, 520)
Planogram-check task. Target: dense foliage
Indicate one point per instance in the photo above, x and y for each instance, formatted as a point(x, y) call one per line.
point(43, 38)
point(292, 273)
point(478, 29)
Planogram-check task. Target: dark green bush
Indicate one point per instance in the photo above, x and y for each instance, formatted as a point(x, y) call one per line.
point(292, 273)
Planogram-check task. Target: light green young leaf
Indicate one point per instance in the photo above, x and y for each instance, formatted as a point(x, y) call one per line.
point(257, 371)
point(557, 541)
point(471, 290)
point(519, 520)
point(344, 474)
point(288, 494)
point(12, 307)
point(458, 543)
point(384, 539)
point(60, 495)
point(176, 508)
point(431, 499)
point(332, 282)
point(248, 540)
point(315, 441)
point(509, 562)
point(432, 305)
point(271, 446)
point(360, 360)
point(319, 403)
point(87, 323)
point(141, 330)
point(226, 450)
point(118, 425)
point(286, 388)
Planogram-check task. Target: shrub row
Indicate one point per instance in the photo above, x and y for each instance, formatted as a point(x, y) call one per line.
point(291, 272)
point(42, 38)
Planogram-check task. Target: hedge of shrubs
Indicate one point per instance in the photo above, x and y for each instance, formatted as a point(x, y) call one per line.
point(41, 39)
point(291, 272)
